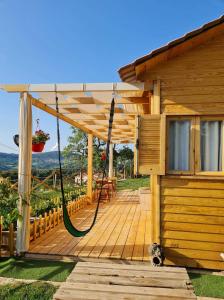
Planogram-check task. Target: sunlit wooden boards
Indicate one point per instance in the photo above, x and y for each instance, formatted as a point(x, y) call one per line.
point(122, 231)
point(125, 281)
point(193, 83)
point(192, 222)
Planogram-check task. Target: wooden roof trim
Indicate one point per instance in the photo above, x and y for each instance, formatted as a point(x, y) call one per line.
point(131, 71)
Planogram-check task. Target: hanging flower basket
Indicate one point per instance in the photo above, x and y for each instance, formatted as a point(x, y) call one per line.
point(39, 140)
point(103, 156)
point(38, 147)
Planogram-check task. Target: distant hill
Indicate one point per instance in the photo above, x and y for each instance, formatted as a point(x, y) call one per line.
point(45, 160)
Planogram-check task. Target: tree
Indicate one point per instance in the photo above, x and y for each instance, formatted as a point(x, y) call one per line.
point(125, 160)
point(77, 150)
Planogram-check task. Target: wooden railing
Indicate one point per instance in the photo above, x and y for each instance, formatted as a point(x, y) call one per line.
point(42, 224)
point(48, 221)
point(7, 239)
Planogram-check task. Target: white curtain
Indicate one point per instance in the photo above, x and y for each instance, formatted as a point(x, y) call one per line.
point(211, 145)
point(24, 173)
point(179, 145)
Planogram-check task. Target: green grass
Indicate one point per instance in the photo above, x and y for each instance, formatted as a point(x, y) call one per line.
point(133, 183)
point(208, 285)
point(35, 269)
point(32, 291)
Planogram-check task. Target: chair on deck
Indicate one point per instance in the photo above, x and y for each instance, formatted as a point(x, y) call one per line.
point(108, 189)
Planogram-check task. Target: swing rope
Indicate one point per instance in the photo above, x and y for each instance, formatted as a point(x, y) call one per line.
point(67, 222)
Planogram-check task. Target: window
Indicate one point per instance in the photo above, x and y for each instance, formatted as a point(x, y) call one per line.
point(195, 145)
point(179, 145)
point(211, 136)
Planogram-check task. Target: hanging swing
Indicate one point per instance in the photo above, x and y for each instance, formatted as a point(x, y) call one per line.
point(67, 222)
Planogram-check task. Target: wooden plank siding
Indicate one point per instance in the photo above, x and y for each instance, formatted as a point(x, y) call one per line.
point(193, 83)
point(192, 207)
point(192, 222)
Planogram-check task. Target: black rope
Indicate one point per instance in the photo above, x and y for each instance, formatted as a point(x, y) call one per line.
point(68, 224)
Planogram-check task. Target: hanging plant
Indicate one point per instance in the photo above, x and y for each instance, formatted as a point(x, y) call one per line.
point(39, 139)
point(103, 155)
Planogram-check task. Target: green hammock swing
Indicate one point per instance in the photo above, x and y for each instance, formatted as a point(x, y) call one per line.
point(67, 222)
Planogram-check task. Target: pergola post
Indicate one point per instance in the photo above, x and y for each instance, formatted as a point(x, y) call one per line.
point(24, 173)
point(136, 146)
point(90, 167)
point(111, 160)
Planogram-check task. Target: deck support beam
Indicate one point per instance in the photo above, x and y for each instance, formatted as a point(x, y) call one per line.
point(24, 173)
point(90, 167)
point(111, 149)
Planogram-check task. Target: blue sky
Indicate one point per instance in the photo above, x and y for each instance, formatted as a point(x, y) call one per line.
point(48, 41)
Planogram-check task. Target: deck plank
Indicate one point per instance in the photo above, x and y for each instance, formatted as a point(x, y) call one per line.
point(113, 240)
point(121, 232)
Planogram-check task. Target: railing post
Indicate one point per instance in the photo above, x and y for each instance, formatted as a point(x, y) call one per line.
point(40, 225)
point(11, 240)
point(34, 229)
point(1, 226)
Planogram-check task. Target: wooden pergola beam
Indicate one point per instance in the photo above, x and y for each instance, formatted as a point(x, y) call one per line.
point(53, 112)
point(122, 87)
point(90, 101)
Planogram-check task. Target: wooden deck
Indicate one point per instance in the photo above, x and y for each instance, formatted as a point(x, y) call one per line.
point(124, 281)
point(122, 231)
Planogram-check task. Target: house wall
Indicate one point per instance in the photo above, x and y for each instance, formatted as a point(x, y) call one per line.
point(192, 222)
point(192, 208)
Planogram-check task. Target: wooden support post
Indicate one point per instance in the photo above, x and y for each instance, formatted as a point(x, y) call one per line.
point(155, 179)
point(136, 172)
point(24, 173)
point(111, 160)
point(90, 167)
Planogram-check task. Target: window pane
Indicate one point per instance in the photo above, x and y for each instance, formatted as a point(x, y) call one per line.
point(179, 145)
point(211, 145)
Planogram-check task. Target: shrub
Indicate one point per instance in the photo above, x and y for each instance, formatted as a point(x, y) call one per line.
point(8, 204)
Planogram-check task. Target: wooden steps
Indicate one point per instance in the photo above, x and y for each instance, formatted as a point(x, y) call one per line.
point(95, 280)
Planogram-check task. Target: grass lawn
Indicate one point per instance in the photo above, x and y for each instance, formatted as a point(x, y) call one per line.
point(133, 183)
point(35, 269)
point(32, 291)
point(208, 285)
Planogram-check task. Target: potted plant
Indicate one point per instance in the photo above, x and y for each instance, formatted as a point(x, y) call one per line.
point(39, 140)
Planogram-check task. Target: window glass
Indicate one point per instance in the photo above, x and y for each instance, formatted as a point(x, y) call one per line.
point(179, 145)
point(211, 145)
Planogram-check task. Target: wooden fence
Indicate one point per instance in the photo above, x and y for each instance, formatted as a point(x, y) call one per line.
point(42, 224)
point(7, 239)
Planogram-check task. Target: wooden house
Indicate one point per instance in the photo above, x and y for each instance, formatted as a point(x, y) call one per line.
point(171, 106)
point(181, 145)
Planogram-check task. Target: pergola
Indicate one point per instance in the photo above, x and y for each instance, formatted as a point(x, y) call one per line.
point(85, 106)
